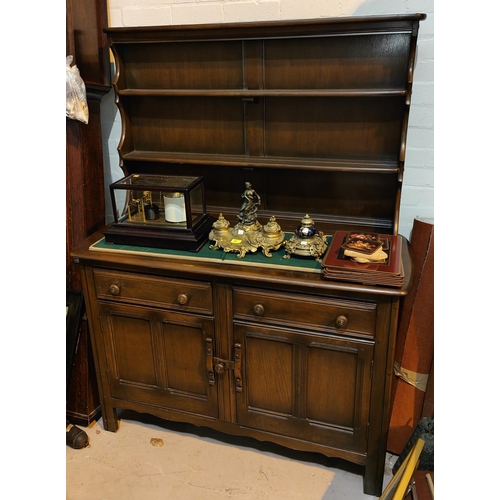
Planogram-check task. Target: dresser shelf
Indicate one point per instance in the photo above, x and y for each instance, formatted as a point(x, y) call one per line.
point(264, 93)
point(313, 164)
point(328, 95)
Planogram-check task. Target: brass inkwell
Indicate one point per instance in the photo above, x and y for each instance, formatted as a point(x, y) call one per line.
point(248, 235)
point(306, 242)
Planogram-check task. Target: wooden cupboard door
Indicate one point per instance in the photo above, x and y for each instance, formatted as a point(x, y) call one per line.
point(312, 387)
point(158, 358)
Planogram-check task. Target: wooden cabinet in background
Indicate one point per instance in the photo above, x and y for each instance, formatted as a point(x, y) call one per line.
point(85, 207)
point(314, 115)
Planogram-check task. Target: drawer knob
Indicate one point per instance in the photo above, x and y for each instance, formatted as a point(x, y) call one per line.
point(219, 368)
point(182, 299)
point(258, 310)
point(341, 321)
point(114, 290)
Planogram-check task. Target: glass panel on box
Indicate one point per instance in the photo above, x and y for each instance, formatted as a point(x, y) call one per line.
point(158, 200)
point(197, 205)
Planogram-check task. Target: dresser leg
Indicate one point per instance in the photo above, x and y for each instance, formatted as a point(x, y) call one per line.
point(109, 420)
point(373, 478)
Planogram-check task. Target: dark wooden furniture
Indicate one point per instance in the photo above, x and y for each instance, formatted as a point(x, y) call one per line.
point(314, 115)
point(85, 206)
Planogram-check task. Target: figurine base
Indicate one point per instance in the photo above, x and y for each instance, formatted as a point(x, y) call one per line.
point(243, 239)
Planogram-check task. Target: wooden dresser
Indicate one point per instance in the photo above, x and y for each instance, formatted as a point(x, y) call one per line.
point(314, 115)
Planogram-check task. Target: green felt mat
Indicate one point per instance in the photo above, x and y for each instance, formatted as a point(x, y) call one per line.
point(218, 256)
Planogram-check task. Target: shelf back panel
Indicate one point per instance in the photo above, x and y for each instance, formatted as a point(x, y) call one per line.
point(190, 125)
point(197, 65)
point(376, 61)
point(326, 195)
point(356, 128)
point(352, 127)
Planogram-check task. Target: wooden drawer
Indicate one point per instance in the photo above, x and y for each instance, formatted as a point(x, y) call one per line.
point(303, 311)
point(181, 295)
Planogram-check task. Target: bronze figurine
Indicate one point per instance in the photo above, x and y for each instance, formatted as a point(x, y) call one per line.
point(247, 235)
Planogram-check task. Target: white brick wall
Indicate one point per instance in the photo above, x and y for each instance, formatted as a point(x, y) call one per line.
point(418, 187)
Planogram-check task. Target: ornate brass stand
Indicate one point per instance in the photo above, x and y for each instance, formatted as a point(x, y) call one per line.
point(247, 235)
point(306, 242)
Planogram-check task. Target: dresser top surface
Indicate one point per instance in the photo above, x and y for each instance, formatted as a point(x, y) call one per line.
point(237, 271)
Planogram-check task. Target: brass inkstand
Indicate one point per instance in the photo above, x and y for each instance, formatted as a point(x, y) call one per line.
point(247, 235)
point(306, 242)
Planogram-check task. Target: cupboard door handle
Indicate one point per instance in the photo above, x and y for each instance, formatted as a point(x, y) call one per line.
point(219, 368)
point(237, 368)
point(182, 299)
point(259, 310)
point(209, 360)
point(341, 321)
point(114, 289)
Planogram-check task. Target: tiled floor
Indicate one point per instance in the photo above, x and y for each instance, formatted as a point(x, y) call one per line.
point(199, 464)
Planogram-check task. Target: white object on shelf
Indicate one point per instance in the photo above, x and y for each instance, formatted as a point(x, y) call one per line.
point(175, 207)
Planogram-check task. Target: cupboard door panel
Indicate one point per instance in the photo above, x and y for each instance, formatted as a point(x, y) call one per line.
point(158, 358)
point(132, 339)
point(331, 386)
point(184, 361)
point(312, 387)
point(270, 366)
